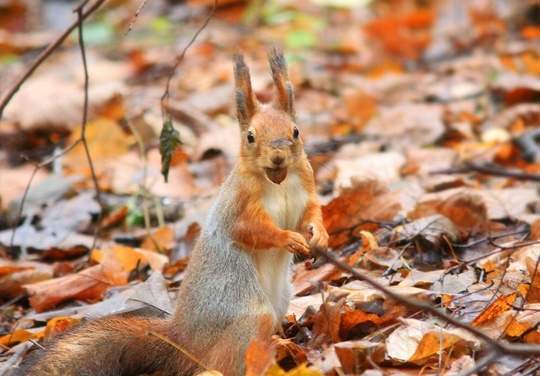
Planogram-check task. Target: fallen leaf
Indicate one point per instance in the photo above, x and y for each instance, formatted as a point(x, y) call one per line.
point(131, 258)
point(106, 141)
point(356, 356)
point(495, 309)
point(356, 210)
point(59, 325)
point(327, 322)
point(19, 336)
point(88, 284)
point(417, 341)
point(162, 240)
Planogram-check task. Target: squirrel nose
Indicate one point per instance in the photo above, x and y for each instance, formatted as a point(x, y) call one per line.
point(280, 143)
point(277, 159)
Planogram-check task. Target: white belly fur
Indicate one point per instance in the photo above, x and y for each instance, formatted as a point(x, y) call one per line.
point(285, 203)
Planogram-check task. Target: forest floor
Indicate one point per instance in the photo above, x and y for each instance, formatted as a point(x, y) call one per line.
point(421, 121)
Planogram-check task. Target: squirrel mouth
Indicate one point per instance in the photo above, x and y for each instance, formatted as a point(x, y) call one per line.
point(276, 175)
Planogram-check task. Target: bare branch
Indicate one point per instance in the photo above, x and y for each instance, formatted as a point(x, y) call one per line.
point(79, 11)
point(497, 347)
point(165, 96)
point(488, 170)
point(6, 98)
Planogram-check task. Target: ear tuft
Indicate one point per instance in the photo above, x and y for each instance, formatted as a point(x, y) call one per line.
point(284, 94)
point(246, 103)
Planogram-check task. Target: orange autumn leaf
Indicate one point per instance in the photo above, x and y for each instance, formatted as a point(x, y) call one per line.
point(59, 325)
point(432, 343)
point(18, 336)
point(131, 258)
point(531, 63)
point(327, 323)
point(88, 284)
point(8, 269)
point(404, 36)
point(352, 319)
point(530, 32)
point(306, 279)
point(356, 209)
point(162, 240)
point(361, 107)
point(495, 309)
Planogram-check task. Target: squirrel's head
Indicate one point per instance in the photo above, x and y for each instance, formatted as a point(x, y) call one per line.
point(270, 138)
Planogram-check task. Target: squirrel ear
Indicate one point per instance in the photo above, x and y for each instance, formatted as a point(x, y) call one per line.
point(246, 103)
point(284, 97)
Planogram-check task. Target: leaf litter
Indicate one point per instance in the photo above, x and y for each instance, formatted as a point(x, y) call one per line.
point(395, 108)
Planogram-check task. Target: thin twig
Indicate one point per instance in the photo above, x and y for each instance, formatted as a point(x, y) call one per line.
point(487, 170)
point(135, 16)
point(165, 96)
point(79, 11)
point(6, 98)
point(81, 15)
point(497, 346)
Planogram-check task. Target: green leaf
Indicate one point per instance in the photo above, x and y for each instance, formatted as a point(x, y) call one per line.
point(169, 140)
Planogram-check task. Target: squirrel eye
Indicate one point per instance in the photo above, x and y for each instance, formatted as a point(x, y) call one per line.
point(250, 137)
point(296, 132)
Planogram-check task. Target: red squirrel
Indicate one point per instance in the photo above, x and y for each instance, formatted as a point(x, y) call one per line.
point(238, 282)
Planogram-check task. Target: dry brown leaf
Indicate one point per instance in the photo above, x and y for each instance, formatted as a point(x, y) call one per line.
point(305, 279)
point(433, 229)
point(9, 269)
point(535, 230)
point(359, 321)
point(356, 356)
point(59, 325)
point(327, 322)
point(88, 284)
point(530, 257)
point(298, 305)
point(381, 167)
point(361, 107)
point(431, 344)
point(12, 285)
point(287, 348)
point(417, 341)
point(106, 141)
point(355, 209)
point(495, 309)
point(57, 101)
point(130, 258)
point(466, 210)
point(162, 240)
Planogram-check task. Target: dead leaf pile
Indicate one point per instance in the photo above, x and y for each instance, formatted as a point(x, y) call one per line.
point(420, 120)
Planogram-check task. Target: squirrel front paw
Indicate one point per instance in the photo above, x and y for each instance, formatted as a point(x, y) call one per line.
point(297, 244)
point(318, 237)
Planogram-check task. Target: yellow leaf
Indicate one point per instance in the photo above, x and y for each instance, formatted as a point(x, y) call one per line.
point(497, 308)
point(432, 343)
point(18, 336)
point(302, 370)
point(275, 370)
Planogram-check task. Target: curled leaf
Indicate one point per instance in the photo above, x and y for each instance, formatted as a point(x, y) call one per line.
point(169, 140)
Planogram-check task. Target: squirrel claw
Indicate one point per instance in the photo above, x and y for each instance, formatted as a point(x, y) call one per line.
point(318, 237)
point(297, 244)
